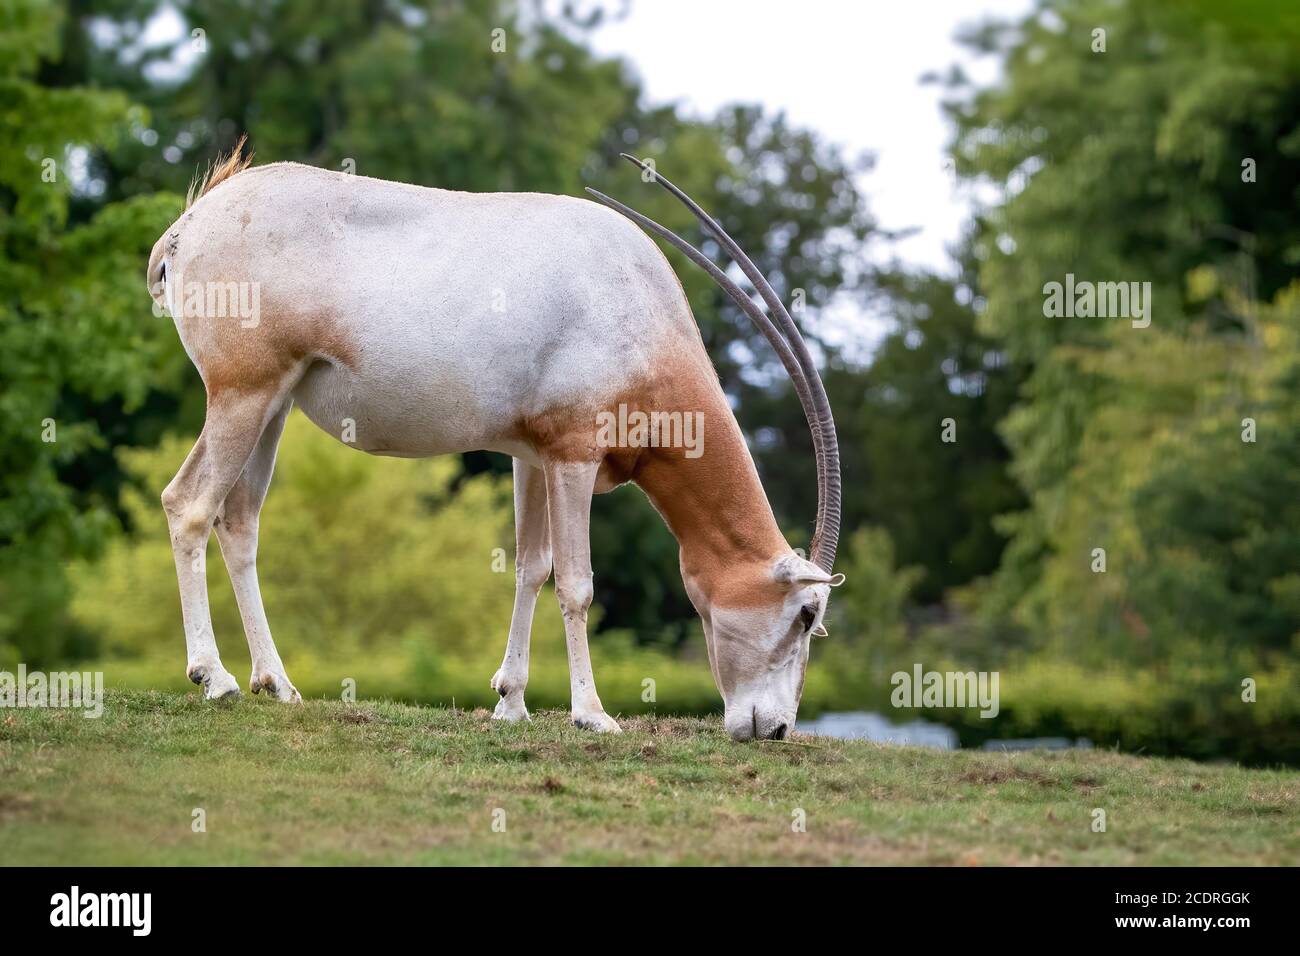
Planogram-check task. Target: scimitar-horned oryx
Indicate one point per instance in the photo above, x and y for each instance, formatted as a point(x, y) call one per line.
point(417, 322)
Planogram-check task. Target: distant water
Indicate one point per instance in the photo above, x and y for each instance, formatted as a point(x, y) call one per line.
point(1039, 743)
point(860, 725)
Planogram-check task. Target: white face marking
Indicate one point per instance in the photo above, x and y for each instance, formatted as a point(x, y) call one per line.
point(760, 655)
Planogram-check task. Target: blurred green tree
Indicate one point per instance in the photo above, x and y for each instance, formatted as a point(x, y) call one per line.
point(77, 350)
point(934, 376)
point(1168, 158)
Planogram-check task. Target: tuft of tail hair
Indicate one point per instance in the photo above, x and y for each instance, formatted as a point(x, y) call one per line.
point(218, 171)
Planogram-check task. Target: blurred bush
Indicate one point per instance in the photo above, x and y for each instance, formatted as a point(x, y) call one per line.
point(77, 346)
point(1204, 699)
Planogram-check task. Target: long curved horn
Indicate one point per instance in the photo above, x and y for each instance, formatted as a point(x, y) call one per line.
point(746, 304)
point(812, 393)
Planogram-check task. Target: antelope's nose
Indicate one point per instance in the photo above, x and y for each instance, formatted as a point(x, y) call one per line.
point(770, 726)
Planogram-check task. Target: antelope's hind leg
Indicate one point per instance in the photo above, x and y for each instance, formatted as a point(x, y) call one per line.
point(237, 523)
point(532, 568)
point(235, 422)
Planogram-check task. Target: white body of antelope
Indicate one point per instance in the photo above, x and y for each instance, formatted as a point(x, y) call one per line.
point(416, 322)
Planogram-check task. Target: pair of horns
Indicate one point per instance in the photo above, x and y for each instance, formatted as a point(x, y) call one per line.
point(787, 342)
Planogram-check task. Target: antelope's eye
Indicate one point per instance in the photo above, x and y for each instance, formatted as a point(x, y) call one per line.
point(807, 615)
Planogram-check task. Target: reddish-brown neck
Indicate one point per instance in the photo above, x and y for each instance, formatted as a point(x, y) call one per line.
point(714, 504)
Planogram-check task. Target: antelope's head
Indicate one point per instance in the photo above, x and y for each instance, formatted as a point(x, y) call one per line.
point(758, 649)
point(759, 654)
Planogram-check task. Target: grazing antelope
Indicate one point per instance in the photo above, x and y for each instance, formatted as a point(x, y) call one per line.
point(418, 322)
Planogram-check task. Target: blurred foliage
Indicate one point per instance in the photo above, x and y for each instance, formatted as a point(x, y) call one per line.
point(1173, 448)
point(77, 350)
point(1128, 165)
point(937, 500)
point(1190, 709)
point(1190, 703)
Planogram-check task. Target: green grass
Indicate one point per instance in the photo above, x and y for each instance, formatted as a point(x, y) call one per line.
point(388, 783)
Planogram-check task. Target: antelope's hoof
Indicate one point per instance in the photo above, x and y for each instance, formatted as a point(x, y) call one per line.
point(510, 710)
point(599, 721)
point(276, 685)
point(217, 683)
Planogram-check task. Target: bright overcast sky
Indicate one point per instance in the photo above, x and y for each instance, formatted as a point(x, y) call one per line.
point(849, 69)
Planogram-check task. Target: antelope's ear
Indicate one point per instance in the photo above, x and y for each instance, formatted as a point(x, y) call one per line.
point(795, 571)
point(819, 631)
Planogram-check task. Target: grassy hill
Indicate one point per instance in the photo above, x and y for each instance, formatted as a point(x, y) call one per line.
point(387, 783)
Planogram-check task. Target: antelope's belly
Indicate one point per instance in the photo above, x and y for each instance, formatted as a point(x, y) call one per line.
point(403, 415)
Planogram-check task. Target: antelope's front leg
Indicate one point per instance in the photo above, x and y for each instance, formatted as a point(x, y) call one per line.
point(532, 568)
point(568, 494)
